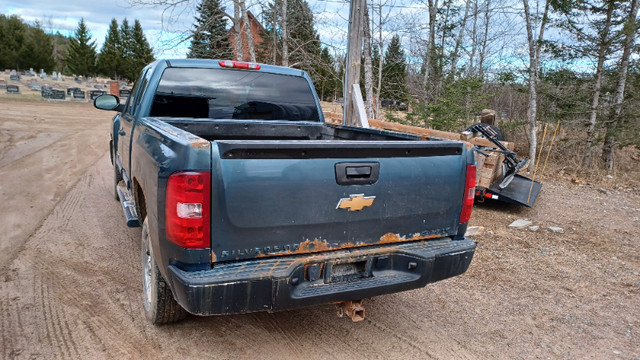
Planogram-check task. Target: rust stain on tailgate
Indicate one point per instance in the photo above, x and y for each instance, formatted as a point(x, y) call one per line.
point(319, 245)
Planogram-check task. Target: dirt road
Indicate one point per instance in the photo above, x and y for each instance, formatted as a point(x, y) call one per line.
point(73, 287)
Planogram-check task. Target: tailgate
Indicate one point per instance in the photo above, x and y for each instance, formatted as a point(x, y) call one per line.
point(281, 197)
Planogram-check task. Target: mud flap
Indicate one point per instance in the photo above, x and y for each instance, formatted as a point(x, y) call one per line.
point(517, 192)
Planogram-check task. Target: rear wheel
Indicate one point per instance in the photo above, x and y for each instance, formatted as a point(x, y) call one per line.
point(159, 305)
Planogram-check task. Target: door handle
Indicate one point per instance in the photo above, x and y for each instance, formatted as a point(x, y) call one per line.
point(121, 132)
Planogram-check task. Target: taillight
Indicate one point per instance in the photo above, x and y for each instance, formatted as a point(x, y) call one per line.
point(187, 209)
point(469, 194)
point(239, 65)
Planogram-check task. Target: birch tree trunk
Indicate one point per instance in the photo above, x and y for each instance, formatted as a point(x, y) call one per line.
point(433, 11)
point(285, 35)
point(247, 31)
point(534, 57)
point(237, 31)
point(368, 68)
point(474, 38)
point(380, 61)
point(275, 34)
point(604, 44)
point(485, 39)
point(610, 138)
point(456, 49)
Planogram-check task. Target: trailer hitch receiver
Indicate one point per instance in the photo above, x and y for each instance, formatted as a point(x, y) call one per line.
point(353, 309)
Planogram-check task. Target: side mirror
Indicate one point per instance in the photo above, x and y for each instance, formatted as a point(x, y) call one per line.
point(108, 102)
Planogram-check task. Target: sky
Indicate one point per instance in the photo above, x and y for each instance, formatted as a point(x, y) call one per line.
point(163, 28)
point(63, 16)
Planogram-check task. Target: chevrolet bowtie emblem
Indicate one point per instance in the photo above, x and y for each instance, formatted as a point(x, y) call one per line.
point(355, 202)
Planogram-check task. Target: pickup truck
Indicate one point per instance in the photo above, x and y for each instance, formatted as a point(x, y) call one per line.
point(249, 201)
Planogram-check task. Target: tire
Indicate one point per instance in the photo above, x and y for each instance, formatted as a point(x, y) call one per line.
point(499, 137)
point(159, 305)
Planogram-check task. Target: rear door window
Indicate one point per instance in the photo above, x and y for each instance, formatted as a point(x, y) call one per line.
point(233, 94)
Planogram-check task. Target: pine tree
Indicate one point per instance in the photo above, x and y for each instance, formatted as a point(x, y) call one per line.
point(303, 41)
point(127, 45)
point(210, 39)
point(328, 82)
point(13, 33)
point(81, 54)
point(110, 59)
point(393, 72)
point(43, 45)
point(142, 52)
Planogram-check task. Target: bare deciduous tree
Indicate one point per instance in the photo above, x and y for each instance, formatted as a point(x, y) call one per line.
point(247, 31)
point(285, 34)
point(605, 42)
point(368, 67)
point(534, 58)
point(630, 28)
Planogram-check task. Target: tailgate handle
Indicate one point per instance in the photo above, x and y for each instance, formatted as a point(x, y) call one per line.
point(357, 173)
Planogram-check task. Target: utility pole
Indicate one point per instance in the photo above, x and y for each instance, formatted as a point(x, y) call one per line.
point(354, 57)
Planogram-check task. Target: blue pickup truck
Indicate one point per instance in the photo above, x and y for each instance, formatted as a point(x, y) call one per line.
point(248, 201)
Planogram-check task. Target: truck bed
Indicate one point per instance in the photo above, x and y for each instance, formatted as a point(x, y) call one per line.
point(212, 130)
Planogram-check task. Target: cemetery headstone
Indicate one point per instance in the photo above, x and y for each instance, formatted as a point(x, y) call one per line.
point(36, 87)
point(95, 93)
point(124, 93)
point(78, 94)
point(43, 76)
point(13, 89)
point(52, 94)
point(99, 87)
point(54, 76)
point(70, 90)
point(14, 77)
point(3, 84)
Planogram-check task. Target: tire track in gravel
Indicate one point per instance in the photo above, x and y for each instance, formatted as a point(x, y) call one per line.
point(36, 174)
point(65, 284)
point(6, 316)
point(57, 334)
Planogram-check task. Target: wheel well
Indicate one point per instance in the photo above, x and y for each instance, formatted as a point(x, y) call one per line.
point(141, 204)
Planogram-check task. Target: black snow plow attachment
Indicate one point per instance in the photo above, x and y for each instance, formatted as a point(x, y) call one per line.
point(505, 185)
point(517, 192)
